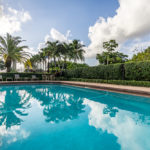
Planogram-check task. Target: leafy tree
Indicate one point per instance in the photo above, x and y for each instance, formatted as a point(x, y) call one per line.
point(110, 56)
point(142, 56)
point(110, 46)
point(11, 51)
point(115, 57)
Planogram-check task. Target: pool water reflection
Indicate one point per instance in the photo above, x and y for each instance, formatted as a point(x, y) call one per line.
point(61, 117)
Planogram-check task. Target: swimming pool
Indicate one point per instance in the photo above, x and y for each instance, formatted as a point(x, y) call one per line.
point(59, 117)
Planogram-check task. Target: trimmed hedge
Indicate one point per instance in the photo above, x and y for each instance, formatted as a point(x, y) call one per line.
point(22, 75)
point(139, 71)
point(98, 72)
point(117, 82)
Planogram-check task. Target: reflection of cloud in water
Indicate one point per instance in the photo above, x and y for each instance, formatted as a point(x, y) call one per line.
point(131, 134)
point(12, 134)
point(2, 96)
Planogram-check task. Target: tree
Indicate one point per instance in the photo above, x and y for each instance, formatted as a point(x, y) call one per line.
point(110, 56)
point(142, 56)
point(11, 51)
point(77, 52)
point(2, 65)
point(28, 65)
point(57, 54)
point(110, 47)
point(34, 60)
point(53, 48)
point(115, 57)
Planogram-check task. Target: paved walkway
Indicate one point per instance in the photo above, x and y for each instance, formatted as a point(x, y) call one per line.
point(143, 91)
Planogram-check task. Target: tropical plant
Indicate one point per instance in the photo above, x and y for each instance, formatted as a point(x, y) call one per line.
point(77, 52)
point(53, 49)
point(27, 64)
point(2, 65)
point(54, 55)
point(11, 51)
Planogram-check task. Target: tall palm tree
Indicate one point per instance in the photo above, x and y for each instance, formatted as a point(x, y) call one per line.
point(48, 54)
point(43, 59)
point(66, 52)
point(34, 60)
point(77, 51)
point(54, 49)
point(11, 51)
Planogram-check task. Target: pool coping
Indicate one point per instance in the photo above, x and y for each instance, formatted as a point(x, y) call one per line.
point(134, 90)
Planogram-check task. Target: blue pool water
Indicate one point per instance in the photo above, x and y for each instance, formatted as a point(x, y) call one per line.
point(57, 117)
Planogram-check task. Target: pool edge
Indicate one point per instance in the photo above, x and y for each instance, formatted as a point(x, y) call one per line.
point(139, 91)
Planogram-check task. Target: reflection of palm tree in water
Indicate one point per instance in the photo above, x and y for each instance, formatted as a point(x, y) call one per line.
point(59, 104)
point(63, 108)
point(13, 108)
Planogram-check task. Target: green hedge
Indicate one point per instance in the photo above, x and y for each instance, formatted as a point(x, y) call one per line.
point(22, 75)
point(139, 71)
point(98, 72)
point(117, 82)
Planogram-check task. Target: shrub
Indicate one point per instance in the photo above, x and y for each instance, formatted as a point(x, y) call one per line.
point(137, 71)
point(117, 82)
point(22, 75)
point(98, 72)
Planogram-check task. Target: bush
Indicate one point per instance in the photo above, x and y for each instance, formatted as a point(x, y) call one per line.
point(117, 82)
point(98, 72)
point(22, 75)
point(137, 71)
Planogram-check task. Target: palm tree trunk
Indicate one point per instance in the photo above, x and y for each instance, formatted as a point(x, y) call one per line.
point(14, 65)
point(8, 64)
point(48, 65)
point(55, 61)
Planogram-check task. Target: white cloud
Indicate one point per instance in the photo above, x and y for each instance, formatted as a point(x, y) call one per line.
point(31, 51)
point(55, 35)
point(11, 135)
point(12, 19)
point(135, 47)
point(131, 21)
point(124, 126)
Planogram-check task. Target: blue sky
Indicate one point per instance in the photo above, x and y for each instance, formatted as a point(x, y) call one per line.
point(79, 15)
point(74, 15)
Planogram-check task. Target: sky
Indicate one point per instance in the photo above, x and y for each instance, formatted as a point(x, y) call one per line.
point(91, 21)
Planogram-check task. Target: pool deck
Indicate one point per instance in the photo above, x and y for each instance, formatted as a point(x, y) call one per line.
point(141, 91)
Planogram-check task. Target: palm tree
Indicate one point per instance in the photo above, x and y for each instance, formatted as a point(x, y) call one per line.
point(77, 52)
point(11, 51)
point(48, 54)
point(66, 52)
point(54, 49)
point(27, 64)
point(34, 60)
